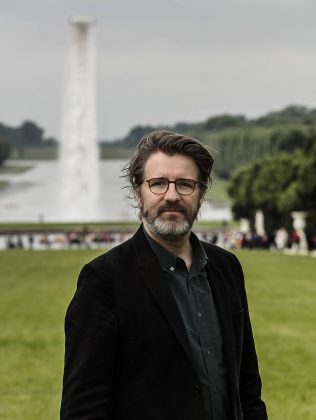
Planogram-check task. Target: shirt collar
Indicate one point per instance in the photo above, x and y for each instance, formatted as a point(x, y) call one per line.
point(167, 259)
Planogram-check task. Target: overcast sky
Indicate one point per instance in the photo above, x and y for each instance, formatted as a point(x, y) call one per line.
point(159, 62)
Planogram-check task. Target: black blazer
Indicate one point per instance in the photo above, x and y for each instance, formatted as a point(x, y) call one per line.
point(127, 352)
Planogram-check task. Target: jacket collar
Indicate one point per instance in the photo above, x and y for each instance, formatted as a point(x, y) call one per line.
point(167, 259)
point(151, 274)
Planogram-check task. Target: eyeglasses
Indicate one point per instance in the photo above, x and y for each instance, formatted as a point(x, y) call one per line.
point(161, 185)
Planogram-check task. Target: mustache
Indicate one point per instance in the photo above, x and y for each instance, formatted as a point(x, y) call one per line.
point(172, 207)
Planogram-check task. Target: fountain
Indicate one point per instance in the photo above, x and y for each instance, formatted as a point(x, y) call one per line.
point(70, 189)
point(79, 164)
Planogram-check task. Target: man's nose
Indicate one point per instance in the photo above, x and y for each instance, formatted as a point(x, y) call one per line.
point(172, 193)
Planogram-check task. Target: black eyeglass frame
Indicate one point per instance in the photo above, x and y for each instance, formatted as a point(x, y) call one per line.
point(172, 182)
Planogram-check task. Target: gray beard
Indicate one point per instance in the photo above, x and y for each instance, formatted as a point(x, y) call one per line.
point(170, 230)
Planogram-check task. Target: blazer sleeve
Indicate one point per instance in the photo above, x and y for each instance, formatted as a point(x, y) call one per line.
point(249, 380)
point(90, 350)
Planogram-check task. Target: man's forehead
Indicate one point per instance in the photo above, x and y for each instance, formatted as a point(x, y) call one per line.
point(164, 159)
point(160, 161)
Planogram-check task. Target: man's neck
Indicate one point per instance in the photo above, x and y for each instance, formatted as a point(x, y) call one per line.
point(180, 246)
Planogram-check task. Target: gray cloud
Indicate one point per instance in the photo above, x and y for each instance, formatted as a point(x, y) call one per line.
point(159, 62)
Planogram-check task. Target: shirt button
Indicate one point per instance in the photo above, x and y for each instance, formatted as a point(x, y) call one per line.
point(197, 389)
point(208, 352)
point(199, 314)
point(171, 268)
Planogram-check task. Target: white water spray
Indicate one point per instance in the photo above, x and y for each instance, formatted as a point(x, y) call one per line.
point(79, 151)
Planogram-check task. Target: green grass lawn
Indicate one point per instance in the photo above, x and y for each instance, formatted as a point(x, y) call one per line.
point(35, 289)
point(14, 169)
point(281, 294)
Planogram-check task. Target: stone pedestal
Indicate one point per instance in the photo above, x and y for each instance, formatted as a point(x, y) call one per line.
point(299, 223)
point(244, 226)
point(259, 223)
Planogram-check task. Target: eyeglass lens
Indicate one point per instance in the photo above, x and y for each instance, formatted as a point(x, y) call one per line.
point(161, 185)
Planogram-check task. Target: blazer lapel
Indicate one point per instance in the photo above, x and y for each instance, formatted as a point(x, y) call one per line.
point(153, 277)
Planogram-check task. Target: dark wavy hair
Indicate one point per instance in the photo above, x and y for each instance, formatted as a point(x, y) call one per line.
point(169, 143)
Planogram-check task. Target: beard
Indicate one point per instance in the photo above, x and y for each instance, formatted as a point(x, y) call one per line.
point(169, 227)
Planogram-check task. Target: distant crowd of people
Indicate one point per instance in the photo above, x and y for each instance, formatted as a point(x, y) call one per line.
point(81, 239)
point(280, 240)
point(91, 239)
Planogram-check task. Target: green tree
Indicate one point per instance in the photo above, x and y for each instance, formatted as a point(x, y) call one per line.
point(277, 185)
point(223, 121)
point(275, 178)
point(5, 150)
point(136, 133)
point(240, 189)
point(290, 114)
point(30, 134)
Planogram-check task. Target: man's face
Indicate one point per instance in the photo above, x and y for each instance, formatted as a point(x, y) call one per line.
point(171, 214)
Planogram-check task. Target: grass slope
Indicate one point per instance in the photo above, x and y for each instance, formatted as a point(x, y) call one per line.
point(35, 289)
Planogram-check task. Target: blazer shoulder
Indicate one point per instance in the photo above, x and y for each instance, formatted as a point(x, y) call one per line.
point(116, 257)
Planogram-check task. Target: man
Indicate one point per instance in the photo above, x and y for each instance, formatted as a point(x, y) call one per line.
point(159, 327)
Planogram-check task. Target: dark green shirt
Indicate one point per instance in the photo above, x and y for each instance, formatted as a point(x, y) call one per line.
point(193, 295)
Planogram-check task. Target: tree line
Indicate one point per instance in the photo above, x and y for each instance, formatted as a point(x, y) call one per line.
point(277, 185)
point(26, 135)
point(236, 140)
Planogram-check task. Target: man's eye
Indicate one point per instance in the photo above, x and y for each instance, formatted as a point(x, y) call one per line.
point(158, 183)
point(184, 183)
